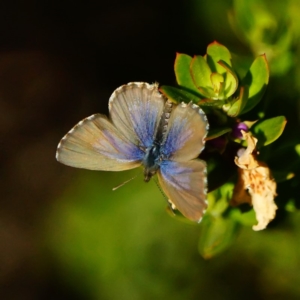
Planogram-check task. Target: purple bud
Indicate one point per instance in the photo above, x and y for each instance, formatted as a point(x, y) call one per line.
point(236, 130)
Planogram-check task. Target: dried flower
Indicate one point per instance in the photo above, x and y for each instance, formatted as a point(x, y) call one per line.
point(255, 184)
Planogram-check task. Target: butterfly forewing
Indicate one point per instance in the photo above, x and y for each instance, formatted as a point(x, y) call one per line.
point(135, 110)
point(186, 132)
point(96, 144)
point(184, 183)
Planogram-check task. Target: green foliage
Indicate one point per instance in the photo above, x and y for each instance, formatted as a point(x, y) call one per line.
point(268, 131)
point(212, 82)
point(217, 235)
point(257, 79)
point(238, 105)
point(182, 63)
point(218, 231)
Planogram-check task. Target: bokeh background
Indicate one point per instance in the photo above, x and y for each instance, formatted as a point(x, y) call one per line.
point(63, 233)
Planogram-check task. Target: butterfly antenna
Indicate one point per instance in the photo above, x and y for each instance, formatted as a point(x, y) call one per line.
point(115, 188)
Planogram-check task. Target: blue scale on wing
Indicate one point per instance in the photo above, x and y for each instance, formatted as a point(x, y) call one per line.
point(176, 138)
point(115, 147)
point(135, 110)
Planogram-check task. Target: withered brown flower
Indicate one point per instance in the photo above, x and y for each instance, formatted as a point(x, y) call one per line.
point(255, 184)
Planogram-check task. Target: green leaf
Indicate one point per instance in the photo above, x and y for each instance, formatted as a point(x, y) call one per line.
point(217, 234)
point(178, 95)
point(216, 132)
point(200, 72)
point(231, 80)
point(244, 218)
point(239, 104)
point(211, 102)
point(217, 81)
point(215, 53)
point(182, 72)
point(219, 199)
point(257, 79)
point(268, 130)
point(206, 92)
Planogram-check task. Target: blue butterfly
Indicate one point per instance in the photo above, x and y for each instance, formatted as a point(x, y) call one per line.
point(145, 129)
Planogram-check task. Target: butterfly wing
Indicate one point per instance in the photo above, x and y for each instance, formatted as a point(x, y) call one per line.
point(113, 145)
point(95, 144)
point(184, 183)
point(186, 133)
point(135, 110)
point(182, 177)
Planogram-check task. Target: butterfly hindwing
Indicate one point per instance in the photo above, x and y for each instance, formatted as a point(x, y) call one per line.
point(184, 183)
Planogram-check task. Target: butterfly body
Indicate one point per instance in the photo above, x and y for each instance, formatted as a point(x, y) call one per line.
point(145, 129)
point(154, 154)
point(151, 162)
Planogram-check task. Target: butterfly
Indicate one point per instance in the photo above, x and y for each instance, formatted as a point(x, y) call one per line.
point(145, 129)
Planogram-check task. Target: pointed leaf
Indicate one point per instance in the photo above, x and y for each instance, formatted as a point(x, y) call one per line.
point(269, 130)
point(200, 72)
point(215, 53)
point(178, 95)
point(239, 104)
point(257, 79)
point(231, 80)
point(182, 72)
point(216, 132)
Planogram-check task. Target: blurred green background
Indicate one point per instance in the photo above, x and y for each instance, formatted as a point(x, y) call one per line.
point(63, 233)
